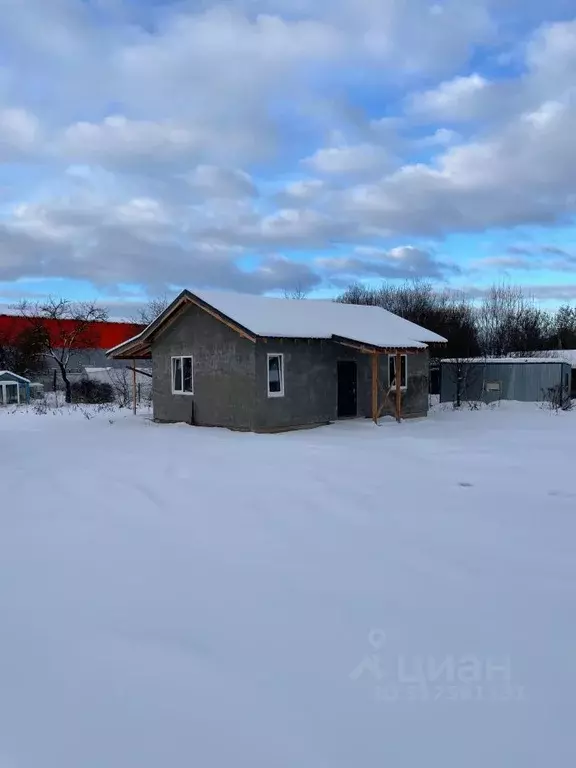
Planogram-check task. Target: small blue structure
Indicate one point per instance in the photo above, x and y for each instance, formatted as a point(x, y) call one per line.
point(14, 389)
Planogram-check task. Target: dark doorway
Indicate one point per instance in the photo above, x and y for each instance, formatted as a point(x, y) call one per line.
point(347, 375)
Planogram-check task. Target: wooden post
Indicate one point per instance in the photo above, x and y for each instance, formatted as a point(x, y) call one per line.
point(375, 387)
point(134, 387)
point(398, 387)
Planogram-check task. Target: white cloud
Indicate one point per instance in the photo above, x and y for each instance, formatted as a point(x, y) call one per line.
point(160, 151)
point(304, 190)
point(442, 137)
point(351, 159)
point(117, 141)
point(520, 171)
point(219, 182)
point(19, 133)
point(462, 98)
point(403, 262)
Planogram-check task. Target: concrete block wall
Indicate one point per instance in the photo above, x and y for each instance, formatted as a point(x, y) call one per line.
point(224, 373)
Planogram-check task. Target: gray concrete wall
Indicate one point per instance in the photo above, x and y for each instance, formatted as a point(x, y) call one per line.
point(525, 382)
point(224, 373)
point(311, 384)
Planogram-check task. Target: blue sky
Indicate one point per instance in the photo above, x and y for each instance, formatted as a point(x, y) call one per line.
point(264, 145)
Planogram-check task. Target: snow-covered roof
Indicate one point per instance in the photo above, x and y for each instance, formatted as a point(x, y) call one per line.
point(568, 355)
point(305, 319)
point(15, 375)
point(508, 360)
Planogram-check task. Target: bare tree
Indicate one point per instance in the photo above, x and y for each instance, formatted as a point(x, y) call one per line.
point(150, 311)
point(121, 381)
point(298, 292)
point(564, 328)
point(21, 352)
point(447, 313)
point(509, 321)
point(63, 328)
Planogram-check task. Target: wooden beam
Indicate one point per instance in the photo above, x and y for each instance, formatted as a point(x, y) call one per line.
point(177, 311)
point(369, 350)
point(357, 347)
point(399, 386)
point(140, 371)
point(223, 319)
point(375, 387)
point(134, 387)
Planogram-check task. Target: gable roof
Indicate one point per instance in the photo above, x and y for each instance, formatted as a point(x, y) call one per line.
point(265, 317)
point(15, 375)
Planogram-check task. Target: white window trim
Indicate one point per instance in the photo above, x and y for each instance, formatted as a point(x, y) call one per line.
point(393, 357)
point(281, 356)
point(181, 358)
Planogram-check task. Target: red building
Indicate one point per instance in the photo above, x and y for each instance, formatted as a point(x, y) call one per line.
point(89, 348)
point(98, 336)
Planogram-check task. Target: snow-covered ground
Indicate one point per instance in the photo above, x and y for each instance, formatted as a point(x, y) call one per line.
point(347, 597)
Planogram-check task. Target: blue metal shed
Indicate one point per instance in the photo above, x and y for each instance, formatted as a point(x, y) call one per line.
point(14, 389)
point(530, 379)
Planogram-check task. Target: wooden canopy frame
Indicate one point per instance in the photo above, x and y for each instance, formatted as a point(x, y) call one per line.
point(376, 409)
point(375, 353)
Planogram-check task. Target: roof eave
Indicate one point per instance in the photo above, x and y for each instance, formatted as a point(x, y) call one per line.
point(361, 346)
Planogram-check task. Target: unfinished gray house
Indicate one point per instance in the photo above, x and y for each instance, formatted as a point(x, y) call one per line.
point(266, 364)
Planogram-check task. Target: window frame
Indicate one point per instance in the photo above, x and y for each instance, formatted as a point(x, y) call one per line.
point(4, 392)
point(404, 387)
point(172, 374)
point(280, 356)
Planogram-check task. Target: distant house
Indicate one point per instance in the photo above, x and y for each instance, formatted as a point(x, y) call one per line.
point(258, 363)
point(486, 379)
point(14, 389)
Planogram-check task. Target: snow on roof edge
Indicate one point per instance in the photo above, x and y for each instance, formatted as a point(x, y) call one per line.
point(16, 375)
point(498, 360)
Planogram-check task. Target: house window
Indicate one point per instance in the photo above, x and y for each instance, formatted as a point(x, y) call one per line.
point(392, 371)
point(182, 375)
point(275, 375)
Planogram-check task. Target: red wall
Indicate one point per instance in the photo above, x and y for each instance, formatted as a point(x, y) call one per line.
point(98, 336)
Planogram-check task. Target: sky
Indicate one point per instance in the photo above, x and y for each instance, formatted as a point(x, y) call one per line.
point(271, 145)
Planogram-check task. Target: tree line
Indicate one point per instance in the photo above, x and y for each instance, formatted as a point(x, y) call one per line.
point(506, 320)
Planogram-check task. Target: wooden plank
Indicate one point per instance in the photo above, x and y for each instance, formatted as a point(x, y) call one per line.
point(134, 387)
point(375, 387)
point(399, 386)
